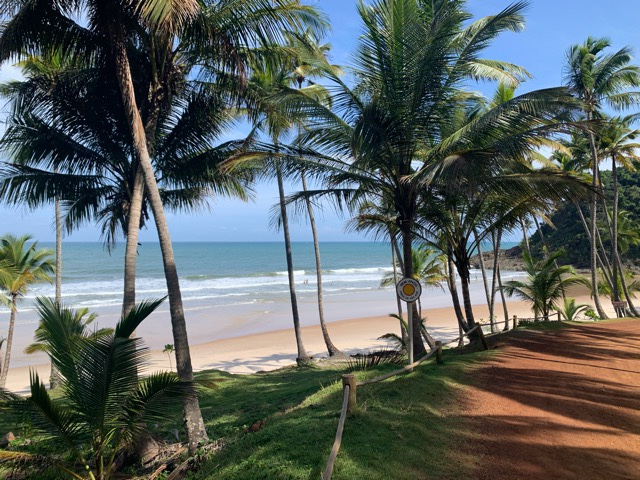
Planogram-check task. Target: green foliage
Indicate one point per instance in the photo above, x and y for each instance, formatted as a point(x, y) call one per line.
point(570, 310)
point(68, 323)
point(545, 283)
point(567, 233)
point(366, 361)
point(428, 268)
point(590, 313)
point(102, 409)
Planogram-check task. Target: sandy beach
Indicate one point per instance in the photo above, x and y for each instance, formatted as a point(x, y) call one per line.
point(274, 349)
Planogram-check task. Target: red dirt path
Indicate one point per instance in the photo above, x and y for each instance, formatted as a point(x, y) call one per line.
point(560, 404)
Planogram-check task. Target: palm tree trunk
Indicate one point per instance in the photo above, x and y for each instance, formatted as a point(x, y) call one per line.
point(196, 433)
point(625, 289)
point(594, 226)
point(407, 243)
point(606, 267)
point(403, 330)
point(504, 302)
point(462, 265)
point(466, 298)
point(8, 342)
point(614, 237)
point(131, 249)
point(54, 376)
point(495, 238)
point(398, 254)
point(525, 237)
point(484, 271)
point(453, 289)
point(303, 357)
point(331, 348)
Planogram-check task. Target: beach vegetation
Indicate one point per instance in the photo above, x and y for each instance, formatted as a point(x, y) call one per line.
point(378, 221)
point(168, 349)
point(544, 285)
point(24, 265)
point(73, 322)
point(401, 343)
point(598, 78)
point(157, 27)
point(432, 150)
point(101, 410)
point(570, 311)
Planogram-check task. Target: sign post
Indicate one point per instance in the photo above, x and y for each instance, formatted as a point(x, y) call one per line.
point(409, 290)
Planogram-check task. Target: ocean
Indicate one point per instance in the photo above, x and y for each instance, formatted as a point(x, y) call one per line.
point(228, 289)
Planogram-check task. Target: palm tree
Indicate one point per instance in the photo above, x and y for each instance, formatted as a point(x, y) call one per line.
point(310, 61)
point(616, 140)
point(570, 310)
point(271, 118)
point(379, 222)
point(596, 80)
point(545, 283)
point(411, 64)
point(103, 410)
point(73, 322)
point(428, 268)
point(168, 349)
point(113, 26)
point(28, 265)
point(93, 172)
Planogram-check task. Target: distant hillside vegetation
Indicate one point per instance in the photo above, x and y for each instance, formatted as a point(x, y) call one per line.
point(568, 232)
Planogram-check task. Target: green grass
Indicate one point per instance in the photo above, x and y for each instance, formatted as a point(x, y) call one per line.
point(407, 427)
point(545, 325)
point(404, 428)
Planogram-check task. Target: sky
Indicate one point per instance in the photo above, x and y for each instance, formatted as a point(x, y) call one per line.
point(552, 26)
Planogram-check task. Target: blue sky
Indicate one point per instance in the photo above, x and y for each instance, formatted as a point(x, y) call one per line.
point(552, 26)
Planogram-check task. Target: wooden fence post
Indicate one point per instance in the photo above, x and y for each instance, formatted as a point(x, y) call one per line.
point(439, 359)
point(350, 380)
point(515, 322)
point(482, 339)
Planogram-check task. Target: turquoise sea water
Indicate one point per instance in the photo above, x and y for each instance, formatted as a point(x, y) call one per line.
point(217, 273)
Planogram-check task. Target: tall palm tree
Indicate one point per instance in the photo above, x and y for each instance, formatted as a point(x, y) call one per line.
point(310, 62)
point(28, 265)
point(268, 116)
point(598, 79)
point(412, 61)
point(378, 220)
point(617, 141)
point(113, 26)
point(545, 284)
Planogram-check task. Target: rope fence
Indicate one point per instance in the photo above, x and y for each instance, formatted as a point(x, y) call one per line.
point(338, 441)
point(350, 386)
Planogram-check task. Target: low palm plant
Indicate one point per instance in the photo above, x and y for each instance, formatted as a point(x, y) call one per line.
point(545, 283)
point(103, 409)
point(399, 342)
point(570, 311)
point(428, 268)
point(73, 322)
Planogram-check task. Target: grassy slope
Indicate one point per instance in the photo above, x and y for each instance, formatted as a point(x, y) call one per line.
point(405, 428)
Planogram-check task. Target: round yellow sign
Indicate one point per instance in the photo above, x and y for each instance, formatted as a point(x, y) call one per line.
point(409, 289)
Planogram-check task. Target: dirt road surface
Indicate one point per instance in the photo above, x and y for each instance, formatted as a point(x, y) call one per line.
point(558, 405)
